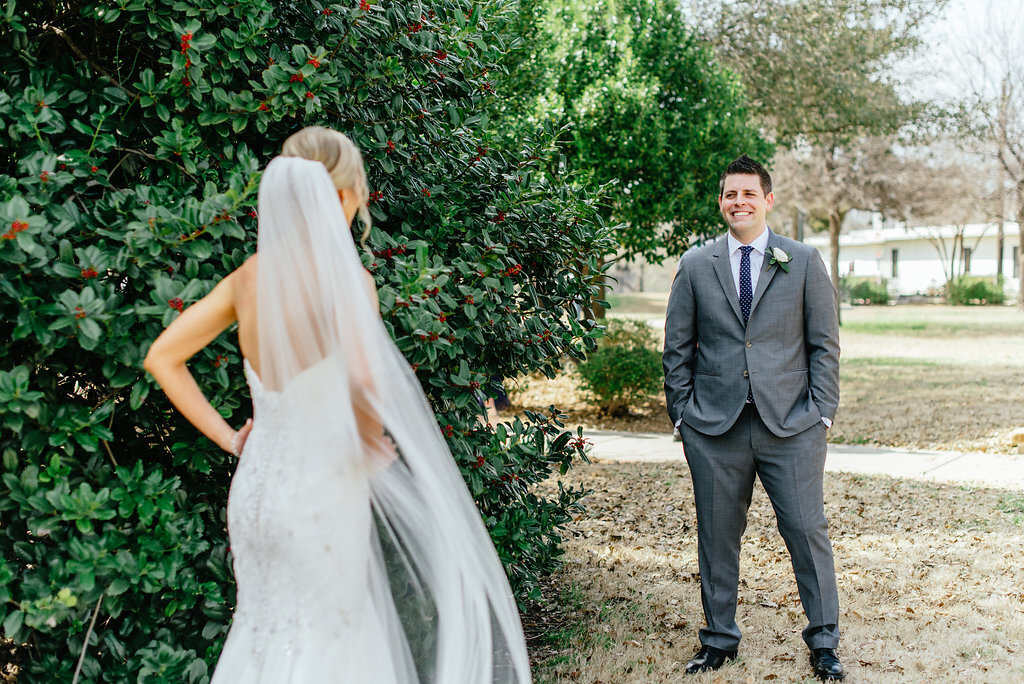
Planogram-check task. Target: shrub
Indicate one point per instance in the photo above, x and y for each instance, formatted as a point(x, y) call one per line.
point(864, 289)
point(625, 367)
point(132, 139)
point(975, 291)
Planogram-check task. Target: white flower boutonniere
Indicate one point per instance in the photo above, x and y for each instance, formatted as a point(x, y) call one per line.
point(778, 257)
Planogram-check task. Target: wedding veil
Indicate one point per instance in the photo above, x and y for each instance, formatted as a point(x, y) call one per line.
point(433, 575)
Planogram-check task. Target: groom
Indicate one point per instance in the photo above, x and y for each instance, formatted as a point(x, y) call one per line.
point(752, 382)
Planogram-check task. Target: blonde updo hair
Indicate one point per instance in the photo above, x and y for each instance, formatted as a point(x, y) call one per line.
point(341, 157)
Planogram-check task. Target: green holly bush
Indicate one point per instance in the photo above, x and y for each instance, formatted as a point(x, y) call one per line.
point(133, 132)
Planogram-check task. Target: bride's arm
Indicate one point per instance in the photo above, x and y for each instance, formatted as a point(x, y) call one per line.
point(368, 422)
point(196, 327)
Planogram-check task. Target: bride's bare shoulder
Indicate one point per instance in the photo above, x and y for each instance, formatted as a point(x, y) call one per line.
point(243, 278)
point(247, 271)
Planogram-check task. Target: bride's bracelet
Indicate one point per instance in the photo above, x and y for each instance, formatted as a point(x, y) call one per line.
point(236, 448)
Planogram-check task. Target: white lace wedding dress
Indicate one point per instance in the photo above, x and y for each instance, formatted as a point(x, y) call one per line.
point(354, 564)
point(300, 529)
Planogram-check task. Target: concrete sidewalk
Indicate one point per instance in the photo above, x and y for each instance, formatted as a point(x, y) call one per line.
point(1005, 471)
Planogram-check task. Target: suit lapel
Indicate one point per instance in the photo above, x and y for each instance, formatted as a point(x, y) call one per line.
point(766, 275)
point(720, 260)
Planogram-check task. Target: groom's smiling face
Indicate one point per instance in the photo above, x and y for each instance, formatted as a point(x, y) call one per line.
point(744, 205)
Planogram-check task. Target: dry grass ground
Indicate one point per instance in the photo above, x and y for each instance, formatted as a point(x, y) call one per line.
point(931, 377)
point(930, 576)
point(930, 580)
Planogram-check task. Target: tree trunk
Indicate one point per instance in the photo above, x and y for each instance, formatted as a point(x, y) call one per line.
point(835, 222)
point(1020, 250)
point(1000, 239)
point(957, 243)
point(602, 293)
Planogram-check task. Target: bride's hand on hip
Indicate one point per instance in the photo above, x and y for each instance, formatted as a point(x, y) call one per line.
point(238, 440)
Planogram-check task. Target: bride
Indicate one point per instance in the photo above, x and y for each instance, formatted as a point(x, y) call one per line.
point(358, 552)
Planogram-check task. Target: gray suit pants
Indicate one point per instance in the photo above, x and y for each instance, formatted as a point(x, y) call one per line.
point(791, 470)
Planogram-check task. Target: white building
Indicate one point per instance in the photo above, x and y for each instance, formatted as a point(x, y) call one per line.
point(907, 258)
point(916, 260)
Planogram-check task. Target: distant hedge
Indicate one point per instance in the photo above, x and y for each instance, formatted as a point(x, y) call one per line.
point(975, 291)
point(133, 133)
point(864, 289)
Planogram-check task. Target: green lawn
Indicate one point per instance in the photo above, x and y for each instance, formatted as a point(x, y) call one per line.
point(934, 321)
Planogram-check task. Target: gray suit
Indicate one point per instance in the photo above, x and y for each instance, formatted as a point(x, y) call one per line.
point(787, 357)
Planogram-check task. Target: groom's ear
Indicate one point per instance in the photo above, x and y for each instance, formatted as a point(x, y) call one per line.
point(769, 201)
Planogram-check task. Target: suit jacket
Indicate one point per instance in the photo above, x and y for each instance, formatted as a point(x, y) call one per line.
point(788, 351)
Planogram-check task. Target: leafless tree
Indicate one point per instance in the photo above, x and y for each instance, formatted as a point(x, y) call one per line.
point(993, 69)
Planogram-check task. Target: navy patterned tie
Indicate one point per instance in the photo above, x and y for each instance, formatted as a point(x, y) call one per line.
point(746, 297)
point(746, 292)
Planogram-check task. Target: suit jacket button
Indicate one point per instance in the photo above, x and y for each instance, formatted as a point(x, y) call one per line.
point(746, 374)
point(749, 343)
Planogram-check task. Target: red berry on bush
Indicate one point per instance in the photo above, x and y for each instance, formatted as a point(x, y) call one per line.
point(79, 312)
point(89, 272)
point(176, 304)
point(314, 61)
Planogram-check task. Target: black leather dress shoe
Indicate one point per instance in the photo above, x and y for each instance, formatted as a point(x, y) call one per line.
point(826, 665)
point(709, 658)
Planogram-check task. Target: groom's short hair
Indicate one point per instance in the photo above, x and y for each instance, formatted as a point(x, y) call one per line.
point(744, 165)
